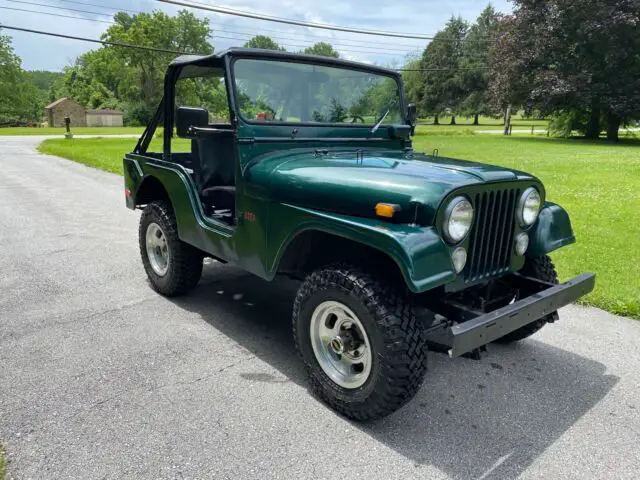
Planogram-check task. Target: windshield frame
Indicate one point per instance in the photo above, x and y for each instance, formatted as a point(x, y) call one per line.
point(321, 61)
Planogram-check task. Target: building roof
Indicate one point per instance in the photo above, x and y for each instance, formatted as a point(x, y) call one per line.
point(104, 111)
point(57, 102)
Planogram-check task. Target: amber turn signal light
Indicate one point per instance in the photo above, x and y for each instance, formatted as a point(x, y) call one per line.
point(387, 210)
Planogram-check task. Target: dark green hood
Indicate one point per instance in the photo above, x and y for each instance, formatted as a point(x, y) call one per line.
point(353, 182)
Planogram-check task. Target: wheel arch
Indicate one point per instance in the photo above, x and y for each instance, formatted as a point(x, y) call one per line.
point(304, 238)
point(151, 189)
point(313, 248)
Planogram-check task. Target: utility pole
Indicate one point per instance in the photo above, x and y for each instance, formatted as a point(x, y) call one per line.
point(507, 121)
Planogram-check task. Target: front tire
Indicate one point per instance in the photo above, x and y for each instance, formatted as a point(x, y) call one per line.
point(173, 267)
point(543, 269)
point(363, 349)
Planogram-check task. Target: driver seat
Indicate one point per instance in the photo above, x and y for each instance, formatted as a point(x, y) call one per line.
point(215, 174)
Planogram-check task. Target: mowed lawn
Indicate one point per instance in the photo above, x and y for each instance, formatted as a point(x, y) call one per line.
point(74, 130)
point(597, 182)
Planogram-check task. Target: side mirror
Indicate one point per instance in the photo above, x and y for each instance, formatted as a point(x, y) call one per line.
point(412, 116)
point(187, 117)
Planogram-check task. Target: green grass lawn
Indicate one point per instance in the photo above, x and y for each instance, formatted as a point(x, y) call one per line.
point(3, 463)
point(76, 131)
point(597, 182)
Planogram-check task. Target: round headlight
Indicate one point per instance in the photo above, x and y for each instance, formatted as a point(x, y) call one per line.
point(457, 219)
point(529, 207)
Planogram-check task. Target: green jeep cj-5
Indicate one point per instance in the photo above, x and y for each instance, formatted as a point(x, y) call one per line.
point(299, 165)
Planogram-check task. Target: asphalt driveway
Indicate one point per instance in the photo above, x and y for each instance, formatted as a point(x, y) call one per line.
point(102, 378)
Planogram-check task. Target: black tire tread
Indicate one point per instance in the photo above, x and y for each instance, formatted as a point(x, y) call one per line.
point(543, 269)
point(186, 261)
point(404, 361)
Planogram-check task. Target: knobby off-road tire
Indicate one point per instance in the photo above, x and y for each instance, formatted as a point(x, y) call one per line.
point(543, 269)
point(184, 262)
point(397, 341)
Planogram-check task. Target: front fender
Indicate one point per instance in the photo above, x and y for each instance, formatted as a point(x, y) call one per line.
point(551, 231)
point(419, 252)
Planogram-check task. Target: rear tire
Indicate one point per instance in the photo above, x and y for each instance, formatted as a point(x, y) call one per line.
point(173, 267)
point(382, 325)
point(543, 269)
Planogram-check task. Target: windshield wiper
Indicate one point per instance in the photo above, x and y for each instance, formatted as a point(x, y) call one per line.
point(390, 105)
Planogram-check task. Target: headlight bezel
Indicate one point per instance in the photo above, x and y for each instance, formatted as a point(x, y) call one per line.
point(522, 203)
point(446, 221)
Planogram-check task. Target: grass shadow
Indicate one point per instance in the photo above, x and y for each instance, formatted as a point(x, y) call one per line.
point(472, 419)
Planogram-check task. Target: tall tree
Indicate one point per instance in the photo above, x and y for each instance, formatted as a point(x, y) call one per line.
point(412, 80)
point(475, 63)
point(184, 32)
point(442, 86)
point(19, 99)
point(571, 55)
point(263, 42)
point(323, 49)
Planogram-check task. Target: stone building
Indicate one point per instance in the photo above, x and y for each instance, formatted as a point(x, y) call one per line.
point(104, 118)
point(65, 107)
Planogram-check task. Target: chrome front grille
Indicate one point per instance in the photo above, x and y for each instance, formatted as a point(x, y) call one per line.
point(492, 235)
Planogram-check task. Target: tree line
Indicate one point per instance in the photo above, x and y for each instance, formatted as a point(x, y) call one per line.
point(576, 62)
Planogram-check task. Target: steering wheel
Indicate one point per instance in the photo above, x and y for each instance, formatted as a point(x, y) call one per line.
point(356, 118)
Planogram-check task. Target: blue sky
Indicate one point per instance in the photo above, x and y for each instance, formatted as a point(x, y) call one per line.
point(410, 16)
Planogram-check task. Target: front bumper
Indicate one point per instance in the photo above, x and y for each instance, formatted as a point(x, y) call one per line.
point(483, 329)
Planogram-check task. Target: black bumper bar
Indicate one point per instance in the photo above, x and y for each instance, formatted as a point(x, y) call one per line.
point(488, 327)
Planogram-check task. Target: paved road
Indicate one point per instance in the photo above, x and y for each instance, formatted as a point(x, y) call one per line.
point(102, 378)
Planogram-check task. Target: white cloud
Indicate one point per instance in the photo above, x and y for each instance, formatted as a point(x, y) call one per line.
point(411, 16)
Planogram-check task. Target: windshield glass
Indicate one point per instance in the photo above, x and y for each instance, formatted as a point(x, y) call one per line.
point(279, 91)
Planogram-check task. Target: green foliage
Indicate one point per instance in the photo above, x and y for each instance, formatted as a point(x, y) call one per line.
point(116, 77)
point(264, 42)
point(412, 80)
point(442, 86)
point(563, 54)
point(475, 62)
point(323, 49)
point(19, 98)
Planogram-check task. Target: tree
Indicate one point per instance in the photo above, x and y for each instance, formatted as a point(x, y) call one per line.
point(263, 42)
point(323, 49)
point(475, 63)
point(19, 99)
point(412, 81)
point(442, 85)
point(137, 75)
point(564, 56)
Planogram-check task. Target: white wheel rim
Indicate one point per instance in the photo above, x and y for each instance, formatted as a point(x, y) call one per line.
point(340, 344)
point(157, 249)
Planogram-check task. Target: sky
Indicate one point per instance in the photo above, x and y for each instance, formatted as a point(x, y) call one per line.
point(408, 16)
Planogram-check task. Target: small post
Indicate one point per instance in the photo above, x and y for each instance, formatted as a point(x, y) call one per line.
point(67, 125)
point(507, 120)
point(531, 129)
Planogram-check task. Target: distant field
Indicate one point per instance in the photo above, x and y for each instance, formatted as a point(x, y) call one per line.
point(597, 182)
point(77, 131)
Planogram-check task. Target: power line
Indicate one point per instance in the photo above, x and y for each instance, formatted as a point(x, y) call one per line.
point(93, 40)
point(176, 52)
point(249, 35)
point(368, 52)
point(59, 15)
point(358, 43)
point(238, 13)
